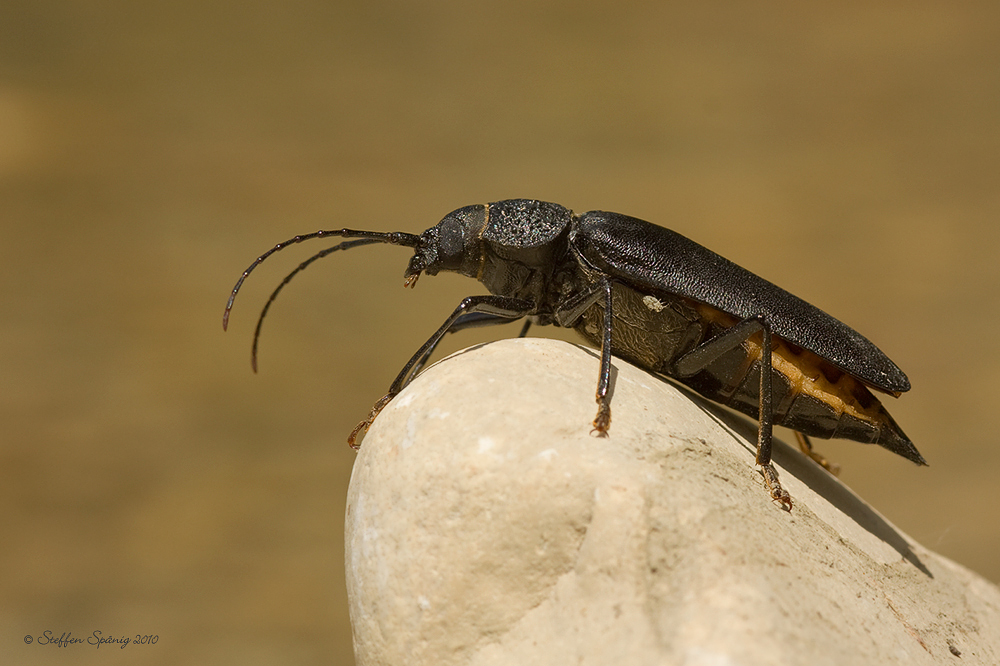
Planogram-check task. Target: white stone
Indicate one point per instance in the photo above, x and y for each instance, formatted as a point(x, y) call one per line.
point(487, 525)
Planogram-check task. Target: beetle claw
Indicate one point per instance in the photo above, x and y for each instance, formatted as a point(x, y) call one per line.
point(774, 489)
point(362, 427)
point(603, 419)
point(358, 429)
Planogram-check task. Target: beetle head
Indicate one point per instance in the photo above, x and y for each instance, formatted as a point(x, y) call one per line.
point(453, 244)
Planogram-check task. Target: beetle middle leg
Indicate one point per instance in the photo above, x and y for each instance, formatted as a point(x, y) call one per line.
point(703, 355)
point(495, 307)
point(566, 315)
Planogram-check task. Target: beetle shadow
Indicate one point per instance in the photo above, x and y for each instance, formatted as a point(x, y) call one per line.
point(811, 474)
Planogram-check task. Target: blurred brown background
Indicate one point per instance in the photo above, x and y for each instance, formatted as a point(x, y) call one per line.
point(151, 484)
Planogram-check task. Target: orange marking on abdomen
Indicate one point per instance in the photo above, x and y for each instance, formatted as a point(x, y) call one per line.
point(807, 372)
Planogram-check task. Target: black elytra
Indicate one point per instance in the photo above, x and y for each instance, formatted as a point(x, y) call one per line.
point(676, 308)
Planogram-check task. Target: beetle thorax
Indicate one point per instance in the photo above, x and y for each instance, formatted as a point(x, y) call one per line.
point(523, 245)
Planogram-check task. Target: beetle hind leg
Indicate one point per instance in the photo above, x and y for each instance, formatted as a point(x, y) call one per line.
point(765, 420)
point(705, 354)
point(805, 445)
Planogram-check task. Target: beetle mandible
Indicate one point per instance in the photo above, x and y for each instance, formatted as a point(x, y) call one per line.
point(657, 299)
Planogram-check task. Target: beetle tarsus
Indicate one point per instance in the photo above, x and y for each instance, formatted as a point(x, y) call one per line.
point(358, 429)
point(774, 489)
point(362, 427)
point(603, 419)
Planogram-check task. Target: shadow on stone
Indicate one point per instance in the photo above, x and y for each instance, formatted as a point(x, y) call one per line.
point(808, 472)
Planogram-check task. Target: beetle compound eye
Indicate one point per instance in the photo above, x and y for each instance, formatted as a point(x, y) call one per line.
point(453, 244)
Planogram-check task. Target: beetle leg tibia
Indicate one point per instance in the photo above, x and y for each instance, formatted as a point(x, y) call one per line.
point(707, 352)
point(466, 321)
point(765, 415)
point(567, 314)
point(603, 418)
point(493, 310)
point(472, 311)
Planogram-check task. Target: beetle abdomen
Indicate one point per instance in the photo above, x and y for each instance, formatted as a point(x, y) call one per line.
point(809, 394)
point(649, 331)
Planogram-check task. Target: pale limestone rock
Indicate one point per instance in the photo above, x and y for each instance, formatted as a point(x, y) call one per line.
point(486, 525)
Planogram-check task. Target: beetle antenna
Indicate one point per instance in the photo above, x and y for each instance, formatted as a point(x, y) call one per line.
point(346, 245)
point(392, 238)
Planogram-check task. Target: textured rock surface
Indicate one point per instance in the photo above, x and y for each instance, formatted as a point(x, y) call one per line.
point(486, 525)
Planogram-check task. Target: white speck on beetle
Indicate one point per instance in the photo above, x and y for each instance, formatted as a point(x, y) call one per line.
point(423, 602)
point(486, 444)
point(653, 303)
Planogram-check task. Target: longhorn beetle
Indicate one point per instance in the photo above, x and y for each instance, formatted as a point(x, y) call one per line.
point(654, 298)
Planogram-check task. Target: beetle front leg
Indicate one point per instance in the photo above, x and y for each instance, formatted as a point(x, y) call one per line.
point(364, 425)
point(470, 320)
point(498, 307)
point(702, 356)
